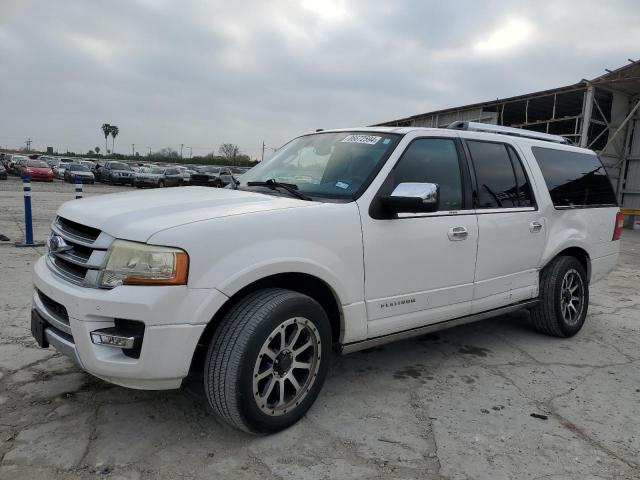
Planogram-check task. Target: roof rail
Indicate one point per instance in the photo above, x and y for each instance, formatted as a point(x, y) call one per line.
point(516, 132)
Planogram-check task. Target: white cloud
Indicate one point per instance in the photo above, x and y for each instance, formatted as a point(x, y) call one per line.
point(204, 73)
point(512, 34)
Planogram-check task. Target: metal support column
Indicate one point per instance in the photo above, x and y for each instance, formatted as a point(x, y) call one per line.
point(587, 108)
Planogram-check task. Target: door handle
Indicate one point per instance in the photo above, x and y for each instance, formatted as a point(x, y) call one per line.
point(457, 233)
point(535, 227)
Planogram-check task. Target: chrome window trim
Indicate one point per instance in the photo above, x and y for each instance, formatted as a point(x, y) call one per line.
point(441, 213)
point(458, 213)
point(485, 211)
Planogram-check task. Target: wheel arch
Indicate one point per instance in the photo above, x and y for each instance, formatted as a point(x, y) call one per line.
point(304, 283)
point(578, 253)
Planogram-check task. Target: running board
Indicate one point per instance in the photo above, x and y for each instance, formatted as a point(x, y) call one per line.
point(434, 327)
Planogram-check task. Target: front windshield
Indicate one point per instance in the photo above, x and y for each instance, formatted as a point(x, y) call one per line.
point(120, 166)
point(37, 164)
point(334, 165)
point(77, 167)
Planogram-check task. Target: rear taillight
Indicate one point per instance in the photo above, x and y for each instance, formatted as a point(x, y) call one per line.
point(617, 229)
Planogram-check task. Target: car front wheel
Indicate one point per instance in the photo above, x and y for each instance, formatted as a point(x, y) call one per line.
point(267, 360)
point(564, 298)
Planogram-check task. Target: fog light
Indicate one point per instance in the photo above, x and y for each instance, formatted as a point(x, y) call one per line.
point(111, 337)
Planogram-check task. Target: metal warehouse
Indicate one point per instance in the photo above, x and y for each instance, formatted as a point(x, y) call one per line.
point(601, 114)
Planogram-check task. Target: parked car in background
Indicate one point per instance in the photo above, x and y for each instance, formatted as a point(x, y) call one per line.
point(78, 170)
point(3, 172)
point(16, 163)
point(59, 169)
point(211, 176)
point(51, 161)
point(37, 170)
point(158, 177)
point(117, 173)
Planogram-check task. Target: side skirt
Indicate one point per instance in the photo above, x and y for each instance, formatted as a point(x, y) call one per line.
point(434, 327)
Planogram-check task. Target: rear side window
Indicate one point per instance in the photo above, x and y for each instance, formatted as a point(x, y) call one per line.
point(574, 179)
point(501, 180)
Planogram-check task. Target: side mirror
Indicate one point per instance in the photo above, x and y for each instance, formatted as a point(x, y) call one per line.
point(412, 198)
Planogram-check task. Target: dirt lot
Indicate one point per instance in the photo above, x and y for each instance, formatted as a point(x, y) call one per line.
point(455, 405)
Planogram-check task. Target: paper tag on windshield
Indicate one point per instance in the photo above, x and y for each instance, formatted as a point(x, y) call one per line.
point(368, 139)
point(342, 185)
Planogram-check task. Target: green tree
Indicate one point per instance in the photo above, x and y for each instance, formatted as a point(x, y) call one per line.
point(114, 133)
point(97, 150)
point(106, 129)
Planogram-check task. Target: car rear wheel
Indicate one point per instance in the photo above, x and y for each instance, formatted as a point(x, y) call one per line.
point(267, 360)
point(564, 298)
point(161, 184)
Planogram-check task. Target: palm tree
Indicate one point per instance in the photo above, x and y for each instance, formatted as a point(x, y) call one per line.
point(106, 129)
point(114, 134)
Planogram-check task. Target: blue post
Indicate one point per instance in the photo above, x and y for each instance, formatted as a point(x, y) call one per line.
point(28, 223)
point(78, 181)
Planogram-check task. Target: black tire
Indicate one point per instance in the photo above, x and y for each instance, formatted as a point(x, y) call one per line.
point(233, 358)
point(161, 184)
point(547, 316)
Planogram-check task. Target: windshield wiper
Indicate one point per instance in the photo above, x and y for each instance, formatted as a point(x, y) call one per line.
point(292, 188)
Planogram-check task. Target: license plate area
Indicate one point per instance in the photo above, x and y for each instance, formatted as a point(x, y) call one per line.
point(37, 329)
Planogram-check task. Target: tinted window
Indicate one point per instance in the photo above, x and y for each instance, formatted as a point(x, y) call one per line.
point(119, 166)
point(433, 160)
point(495, 176)
point(522, 182)
point(574, 178)
point(76, 167)
point(37, 164)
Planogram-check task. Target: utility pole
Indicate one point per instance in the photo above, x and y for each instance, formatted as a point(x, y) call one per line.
point(149, 151)
point(181, 146)
point(133, 149)
point(262, 157)
point(28, 143)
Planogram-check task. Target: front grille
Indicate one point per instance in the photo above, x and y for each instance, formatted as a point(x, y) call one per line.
point(78, 230)
point(200, 178)
point(84, 255)
point(54, 307)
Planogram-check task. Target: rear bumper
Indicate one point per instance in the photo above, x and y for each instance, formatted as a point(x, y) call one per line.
point(602, 266)
point(174, 319)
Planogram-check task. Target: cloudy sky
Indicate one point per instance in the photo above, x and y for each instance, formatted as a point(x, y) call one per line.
point(202, 73)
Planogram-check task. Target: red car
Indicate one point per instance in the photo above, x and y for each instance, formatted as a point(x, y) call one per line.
point(37, 170)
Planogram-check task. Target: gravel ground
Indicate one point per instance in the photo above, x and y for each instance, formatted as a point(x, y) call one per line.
point(455, 405)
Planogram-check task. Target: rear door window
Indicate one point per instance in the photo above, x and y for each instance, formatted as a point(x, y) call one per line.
point(501, 183)
point(574, 179)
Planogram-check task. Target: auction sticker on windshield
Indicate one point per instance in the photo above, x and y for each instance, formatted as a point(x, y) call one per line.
point(368, 139)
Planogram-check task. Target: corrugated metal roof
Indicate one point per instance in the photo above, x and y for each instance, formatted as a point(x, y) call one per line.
point(625, 79)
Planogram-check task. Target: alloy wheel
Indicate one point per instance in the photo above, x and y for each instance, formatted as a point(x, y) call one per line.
point(287, 366)
point(571, 297)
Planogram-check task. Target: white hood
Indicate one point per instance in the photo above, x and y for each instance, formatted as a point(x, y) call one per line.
point(138, 215)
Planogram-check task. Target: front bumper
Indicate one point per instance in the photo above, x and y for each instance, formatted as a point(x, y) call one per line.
point(174, 319)
point(143, 182)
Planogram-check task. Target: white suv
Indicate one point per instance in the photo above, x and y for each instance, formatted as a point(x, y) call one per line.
point(344, 238)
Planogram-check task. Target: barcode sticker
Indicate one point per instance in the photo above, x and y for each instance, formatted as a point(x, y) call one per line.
point(368, 139)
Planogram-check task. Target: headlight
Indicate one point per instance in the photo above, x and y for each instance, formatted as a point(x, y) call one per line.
point(132, 263)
